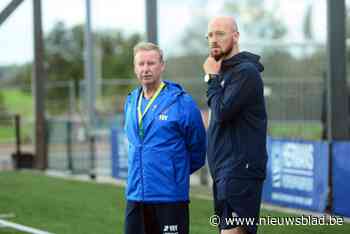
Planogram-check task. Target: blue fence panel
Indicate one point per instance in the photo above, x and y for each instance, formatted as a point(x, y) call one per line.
point(119, 147)
point(297, 174)
point(341, 178)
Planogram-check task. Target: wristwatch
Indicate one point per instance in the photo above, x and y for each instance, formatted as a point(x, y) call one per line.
point(207, 77)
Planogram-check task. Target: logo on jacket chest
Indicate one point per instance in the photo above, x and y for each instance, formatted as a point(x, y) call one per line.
point(163, 117)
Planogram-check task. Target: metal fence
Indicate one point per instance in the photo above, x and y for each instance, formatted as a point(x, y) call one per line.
point(294, 109)
point(294, 106)
point(71, 147)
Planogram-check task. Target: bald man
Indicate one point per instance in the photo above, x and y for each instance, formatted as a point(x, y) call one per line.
point(237, 130)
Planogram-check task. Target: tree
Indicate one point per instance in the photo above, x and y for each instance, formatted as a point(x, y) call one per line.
point(64, 59)
point(193, 40)
point(2, 105)
point(255, 20)
point(65, 53)
point(65, 56)
point(117, 54)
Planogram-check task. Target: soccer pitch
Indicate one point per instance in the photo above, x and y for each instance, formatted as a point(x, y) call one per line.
point(74, 207)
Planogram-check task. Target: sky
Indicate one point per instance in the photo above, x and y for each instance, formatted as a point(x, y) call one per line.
point(16, 31)
point(16, 37)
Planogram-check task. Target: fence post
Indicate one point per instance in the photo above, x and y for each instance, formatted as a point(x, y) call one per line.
point(18, 133)
point(92, 156)
point(69, 146)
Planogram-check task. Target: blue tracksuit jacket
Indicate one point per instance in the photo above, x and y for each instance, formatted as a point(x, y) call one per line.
point(173, 146)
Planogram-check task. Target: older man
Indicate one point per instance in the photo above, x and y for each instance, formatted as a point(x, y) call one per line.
point(167, 143)
point(237, 130)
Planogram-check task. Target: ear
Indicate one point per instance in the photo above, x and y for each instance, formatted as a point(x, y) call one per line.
point(135, 69)
point(235, 36)
point(163, 67)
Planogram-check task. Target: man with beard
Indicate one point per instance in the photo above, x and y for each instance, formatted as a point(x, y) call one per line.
point(237, 130)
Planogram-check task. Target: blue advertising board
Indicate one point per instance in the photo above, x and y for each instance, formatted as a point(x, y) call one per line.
point(297, 174)
point(119, 148)
point(341, 178)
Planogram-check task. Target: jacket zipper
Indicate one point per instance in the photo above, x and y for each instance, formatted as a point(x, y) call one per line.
point(141, 169)
point(142, 144)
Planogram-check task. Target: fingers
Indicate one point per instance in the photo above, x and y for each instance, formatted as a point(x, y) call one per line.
point(211, 66)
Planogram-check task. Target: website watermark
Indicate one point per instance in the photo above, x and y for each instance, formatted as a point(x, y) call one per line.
point(304, 220)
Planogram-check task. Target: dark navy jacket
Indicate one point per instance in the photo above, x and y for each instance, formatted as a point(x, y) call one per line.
point(173, 146)
point(238, 121)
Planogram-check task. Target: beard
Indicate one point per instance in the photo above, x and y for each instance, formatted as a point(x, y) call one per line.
point(217, 56)
point(217, 53)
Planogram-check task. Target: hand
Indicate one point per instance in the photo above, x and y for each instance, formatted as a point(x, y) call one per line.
point(211, 66)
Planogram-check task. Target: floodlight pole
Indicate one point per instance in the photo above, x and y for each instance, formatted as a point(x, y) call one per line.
point(89, 66)
point(90, 86)
point(39, 79)
point(151, 21)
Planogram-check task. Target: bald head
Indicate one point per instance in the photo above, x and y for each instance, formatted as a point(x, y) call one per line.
point(223, 37)
point(226, 22)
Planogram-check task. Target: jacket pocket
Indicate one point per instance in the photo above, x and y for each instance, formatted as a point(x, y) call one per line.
point(174, 169)
point(159, 173)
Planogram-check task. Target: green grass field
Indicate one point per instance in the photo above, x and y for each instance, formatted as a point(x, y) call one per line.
point(74, 207)
point(295, 130)
point(17, 102)
point(7, 132)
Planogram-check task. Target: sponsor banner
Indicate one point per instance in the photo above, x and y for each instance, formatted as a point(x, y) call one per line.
point(119, 148)
point(297, 174)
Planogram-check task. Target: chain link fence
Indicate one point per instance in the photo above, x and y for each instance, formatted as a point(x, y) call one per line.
point(294, 79)
point(295, 108)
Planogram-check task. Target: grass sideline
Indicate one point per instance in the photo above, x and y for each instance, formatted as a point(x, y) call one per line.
point(74, 207)
point(17, 102)
point(295, 130)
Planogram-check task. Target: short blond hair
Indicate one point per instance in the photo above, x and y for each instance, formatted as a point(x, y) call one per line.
point(148, 46)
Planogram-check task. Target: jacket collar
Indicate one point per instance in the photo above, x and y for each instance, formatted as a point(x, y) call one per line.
point(167, 97)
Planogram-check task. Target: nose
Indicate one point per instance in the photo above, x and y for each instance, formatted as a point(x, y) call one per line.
point(145, 68)
point(213, 44)
point(213, 41)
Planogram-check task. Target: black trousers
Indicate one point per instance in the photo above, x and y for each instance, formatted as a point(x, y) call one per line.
point(160, 218)
point(238, 200)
